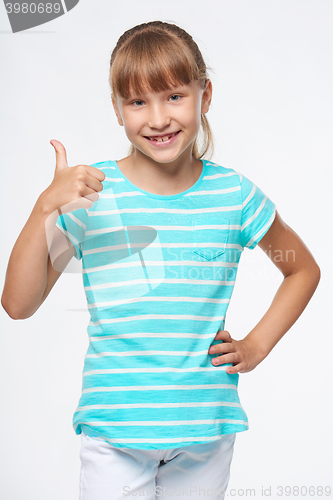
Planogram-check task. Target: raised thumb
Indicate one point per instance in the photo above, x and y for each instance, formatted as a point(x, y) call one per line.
point(61, 158)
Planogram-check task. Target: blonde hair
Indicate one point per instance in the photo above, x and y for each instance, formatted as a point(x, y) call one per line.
point(156, 56)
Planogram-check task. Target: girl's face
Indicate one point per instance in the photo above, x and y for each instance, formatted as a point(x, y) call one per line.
point(149, 116)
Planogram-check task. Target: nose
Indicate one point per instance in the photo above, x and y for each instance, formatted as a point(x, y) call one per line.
point(158, 117)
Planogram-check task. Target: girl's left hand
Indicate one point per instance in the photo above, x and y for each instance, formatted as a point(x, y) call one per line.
point(242, 353)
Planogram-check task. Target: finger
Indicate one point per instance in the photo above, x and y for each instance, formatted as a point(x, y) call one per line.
point(95, 175)
point(93, 183)
point(89, 183)
point(61, 157)
point(239, 368)
point(95, 172)
point(223, 335)
point(225, 358)
point(224, 347)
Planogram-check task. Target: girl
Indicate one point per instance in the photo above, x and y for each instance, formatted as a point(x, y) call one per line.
point(160, 247)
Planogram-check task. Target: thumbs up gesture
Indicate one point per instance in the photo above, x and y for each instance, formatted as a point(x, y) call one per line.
point(72, 187)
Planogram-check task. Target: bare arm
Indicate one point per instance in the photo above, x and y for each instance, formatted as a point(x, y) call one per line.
point(301, 277)
point(30, 275)
point(42, 251)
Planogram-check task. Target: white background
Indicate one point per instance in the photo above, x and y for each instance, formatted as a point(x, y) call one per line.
point(271, 116)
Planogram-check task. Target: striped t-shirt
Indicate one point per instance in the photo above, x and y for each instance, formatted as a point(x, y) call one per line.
point(158, 273)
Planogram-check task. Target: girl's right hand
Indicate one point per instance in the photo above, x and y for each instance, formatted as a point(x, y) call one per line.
point(72, 188)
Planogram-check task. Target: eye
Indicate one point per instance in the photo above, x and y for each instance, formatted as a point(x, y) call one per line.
point(175, 95)
point(134, 102)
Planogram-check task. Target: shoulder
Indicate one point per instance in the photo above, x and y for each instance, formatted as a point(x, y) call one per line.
point(216, 168)
point(245, 185)
point(228, 178)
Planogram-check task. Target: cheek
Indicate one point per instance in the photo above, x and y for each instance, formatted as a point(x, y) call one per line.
point(191, 118)
point(130, 125)
point(195, 121)
point(196, 114)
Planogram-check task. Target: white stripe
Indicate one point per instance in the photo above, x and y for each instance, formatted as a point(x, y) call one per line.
point(216, 176)
point(119, 195)
point(217, 191)
point(113, 179)
point(144, 210)
point(249, 198)
point(125, 354)
point(156, 405)
point(115, 229)
point(158, 423)
point(113, 303)
point(76, 220)
point(143, 317)
point(160, 245)
point(152, 281)
point(262, 230)
point(154, 336)
point(155, 370)
point(255, 215)
point(160, 263)
point(67, 233)
point(127, 388)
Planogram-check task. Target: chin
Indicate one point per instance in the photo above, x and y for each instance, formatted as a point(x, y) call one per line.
point(159, 156)
point(165, 158)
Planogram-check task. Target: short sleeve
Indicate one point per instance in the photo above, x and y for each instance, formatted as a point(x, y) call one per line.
point(73, 225)
point(258, 213)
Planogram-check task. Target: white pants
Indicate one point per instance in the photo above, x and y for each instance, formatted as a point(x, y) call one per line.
point(194, 472)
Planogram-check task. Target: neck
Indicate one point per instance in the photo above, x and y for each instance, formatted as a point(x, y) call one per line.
point(161, 178)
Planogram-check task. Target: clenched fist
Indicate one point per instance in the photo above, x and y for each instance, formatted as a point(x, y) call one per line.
point(72, 187)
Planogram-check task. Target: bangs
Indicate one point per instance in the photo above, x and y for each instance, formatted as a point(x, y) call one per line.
point(153, 62)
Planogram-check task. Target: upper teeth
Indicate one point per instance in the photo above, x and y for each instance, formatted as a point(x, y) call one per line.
point(163, 139)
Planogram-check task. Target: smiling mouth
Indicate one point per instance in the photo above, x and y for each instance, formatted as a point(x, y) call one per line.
point(162, 139)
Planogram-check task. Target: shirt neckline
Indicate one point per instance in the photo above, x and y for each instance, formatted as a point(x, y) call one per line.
point(162, 196)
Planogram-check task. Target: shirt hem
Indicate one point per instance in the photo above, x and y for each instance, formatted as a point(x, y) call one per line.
point(232, 429)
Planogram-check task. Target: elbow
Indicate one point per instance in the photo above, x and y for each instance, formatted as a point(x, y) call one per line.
point(313, 276)
point(317, 274)
point(315, 271)
point(309, 275)
point(12, 312)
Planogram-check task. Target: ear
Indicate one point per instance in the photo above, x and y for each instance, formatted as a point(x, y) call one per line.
point(116, 110)
point(206, 97)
